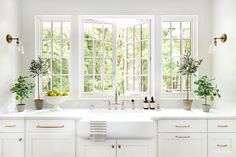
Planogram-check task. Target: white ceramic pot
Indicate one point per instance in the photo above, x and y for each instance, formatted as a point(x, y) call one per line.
point(55, 101)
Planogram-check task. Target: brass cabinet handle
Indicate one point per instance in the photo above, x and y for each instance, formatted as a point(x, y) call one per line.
point(182, 137)
point(113, 146)
point(20, 139)
point(10, 126)
point(50, 126)
point(119, 146)
point(222, 126)
point(222, 145)
point(182, 126)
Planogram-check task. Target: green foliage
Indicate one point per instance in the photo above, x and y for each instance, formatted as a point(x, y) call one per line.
point(206, 88)
point(22, 88)
point(188, 67)
point(38, 68)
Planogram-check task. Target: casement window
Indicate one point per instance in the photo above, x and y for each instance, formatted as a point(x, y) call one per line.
point(178, 34)
point(116, 54)
point(54, 47)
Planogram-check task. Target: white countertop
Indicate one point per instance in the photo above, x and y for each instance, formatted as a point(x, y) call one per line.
point(118, 114)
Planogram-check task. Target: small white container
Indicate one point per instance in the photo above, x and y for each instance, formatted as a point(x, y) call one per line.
point(55, 101)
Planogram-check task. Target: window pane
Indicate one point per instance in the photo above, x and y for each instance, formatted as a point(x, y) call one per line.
point(108, 66)
point(107, 83)
point(65, 66)
point(186, 30)
point(129, 80)
point(130, 34)
point(144, 31)
point(46, 83)
point(144, 49)
point(108, 49)
point(88, 48)
point(46, 47)
point(98, 83)
point(98, 31)
point(176, 48)
point(144, 66)
point(186, 47)
point(137, 33)
point(65, 83)
point(56, 82)
point(137, 66)
point(66, 39)
point(166, 30)
point(56, 39)
point(167, 83)
point(88, 83)
point(137, 87)
point(98, 48)
point(175, 30)
point(56, 66)
point(98, 65)
point(46, 30)
point(88, 66)
point(166, 49)
point(144, 83)
point(137, 50)
point(108, 32)
point(88, 31)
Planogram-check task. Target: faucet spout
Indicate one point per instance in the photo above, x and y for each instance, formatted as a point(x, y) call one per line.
point(116, 95)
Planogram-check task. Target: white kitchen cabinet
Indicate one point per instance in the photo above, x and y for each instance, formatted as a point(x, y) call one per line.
point(116, 148)
point(12, 145)
point(135, 148)
point(182, 145)
point(50, 138)
point(222, 145)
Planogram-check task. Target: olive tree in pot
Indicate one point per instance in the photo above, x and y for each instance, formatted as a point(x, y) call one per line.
point(205, 88)
point(188, 68)
point(38, 68)
point(23, 89)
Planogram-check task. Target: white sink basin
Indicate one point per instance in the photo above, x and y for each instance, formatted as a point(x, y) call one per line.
point(120, 124)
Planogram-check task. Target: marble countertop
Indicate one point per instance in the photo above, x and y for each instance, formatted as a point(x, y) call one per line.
point(76, 114)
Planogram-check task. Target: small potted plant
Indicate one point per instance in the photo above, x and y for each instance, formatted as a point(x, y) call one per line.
point(38, 68)
point(205, 88)
point(23, 89)
point(188, 67)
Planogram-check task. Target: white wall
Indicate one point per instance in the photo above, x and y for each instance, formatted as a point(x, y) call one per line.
point(224, 59)
point(9, 58)
point(202, 8)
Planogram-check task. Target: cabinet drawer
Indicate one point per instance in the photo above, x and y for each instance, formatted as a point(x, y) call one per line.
point(11, 126)
point(50, 125)
point(221, 145)
point(182, 126)
point(222, 126)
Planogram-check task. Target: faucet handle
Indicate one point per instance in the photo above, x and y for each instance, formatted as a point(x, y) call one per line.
point(109, 104)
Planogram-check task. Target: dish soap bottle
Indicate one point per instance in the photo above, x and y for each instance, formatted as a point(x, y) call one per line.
point(152, 104)
point(145, 104)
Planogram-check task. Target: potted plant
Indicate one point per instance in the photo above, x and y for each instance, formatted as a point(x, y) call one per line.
point(188, 67)
point(204, 89)
point(38, 68)
point(23, 89)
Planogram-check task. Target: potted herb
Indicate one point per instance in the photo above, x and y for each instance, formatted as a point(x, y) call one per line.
point(204, 89)
point(23, 89)
point(38, 68)
point(188, 67)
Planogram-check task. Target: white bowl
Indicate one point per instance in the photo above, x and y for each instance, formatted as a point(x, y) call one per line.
point(55, 101)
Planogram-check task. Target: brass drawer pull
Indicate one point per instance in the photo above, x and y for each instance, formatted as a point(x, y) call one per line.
point(50, 126)
point(10, 126)
point(222, 126)
point(182, 126)
point(222, 145)
point(182, 137)
point(119, 146)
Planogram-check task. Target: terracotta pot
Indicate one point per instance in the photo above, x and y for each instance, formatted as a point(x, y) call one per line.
point(38, 104)
point(187, 104)
point(20, 107)
point(206, 107)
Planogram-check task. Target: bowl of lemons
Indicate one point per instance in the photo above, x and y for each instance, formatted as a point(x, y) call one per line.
point(55, 98)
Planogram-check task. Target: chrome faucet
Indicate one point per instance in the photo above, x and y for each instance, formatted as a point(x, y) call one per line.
point(116, 95)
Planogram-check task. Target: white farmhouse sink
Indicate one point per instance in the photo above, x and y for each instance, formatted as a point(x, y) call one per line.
point(120, 124)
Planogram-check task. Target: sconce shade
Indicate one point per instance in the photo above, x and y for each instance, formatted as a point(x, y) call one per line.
point(9, 39)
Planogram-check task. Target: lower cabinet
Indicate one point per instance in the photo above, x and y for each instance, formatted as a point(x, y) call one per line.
point(116, 148)
point(12, 145)
point(222, 145)
point(182, 145)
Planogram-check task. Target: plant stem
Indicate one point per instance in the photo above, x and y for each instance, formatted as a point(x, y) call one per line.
point(21, 100)
point(205, 100)
point(187, 86)
point(38, 87)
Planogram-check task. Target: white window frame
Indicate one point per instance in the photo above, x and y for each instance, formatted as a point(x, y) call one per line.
point(194, 45)
point(103, 96)
point(38, 45)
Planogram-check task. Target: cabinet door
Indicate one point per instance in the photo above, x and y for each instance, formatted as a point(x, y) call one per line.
point(182, 145)
point(135, 148)
point(12, 145)
point(222, 145)
point(87, 148)
point(50, 145)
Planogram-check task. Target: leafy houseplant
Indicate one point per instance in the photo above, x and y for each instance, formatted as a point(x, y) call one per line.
point(188, 67)
point(204, 89)
point(23, 89)
point(38, 68)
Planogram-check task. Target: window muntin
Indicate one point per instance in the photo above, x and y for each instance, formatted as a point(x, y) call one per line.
point(177, 40)
point(124, 57)
point(55, 48)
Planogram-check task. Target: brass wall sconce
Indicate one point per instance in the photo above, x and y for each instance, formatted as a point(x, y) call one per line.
point(9, 39)
point(222, 38)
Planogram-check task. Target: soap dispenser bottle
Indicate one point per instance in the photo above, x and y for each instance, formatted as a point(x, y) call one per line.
point(145, 104)
point(152, 104)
